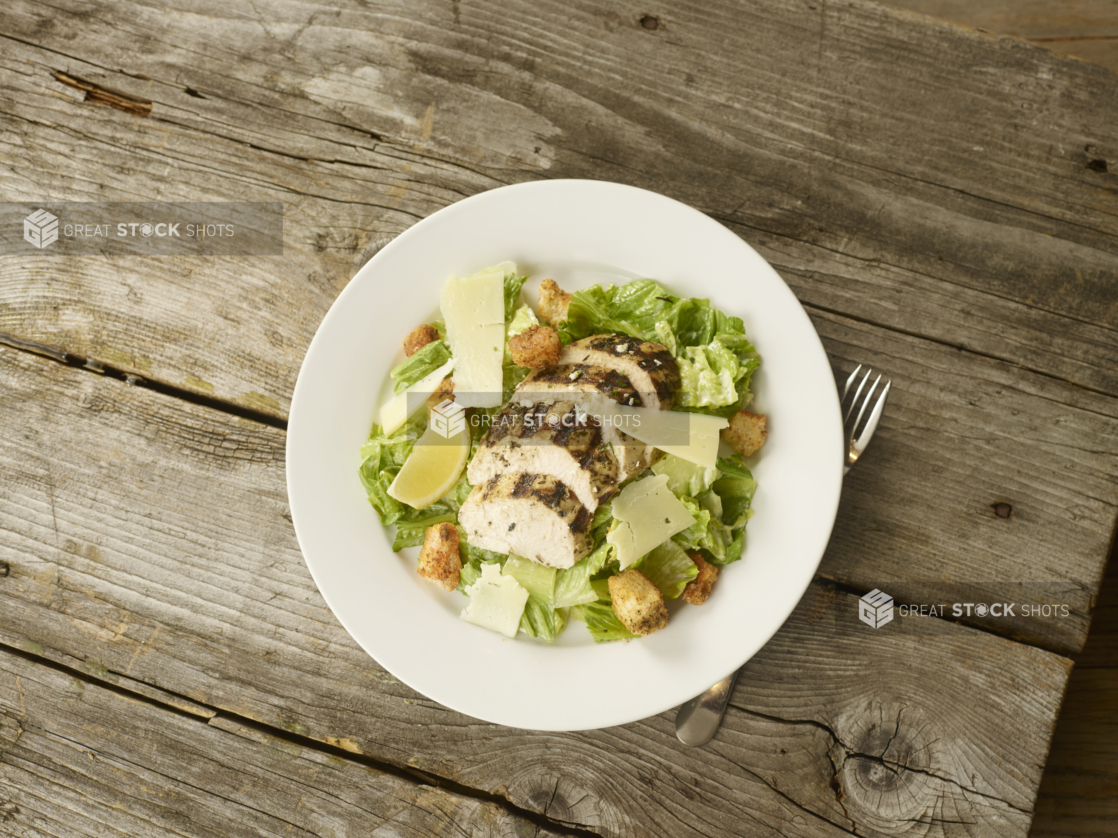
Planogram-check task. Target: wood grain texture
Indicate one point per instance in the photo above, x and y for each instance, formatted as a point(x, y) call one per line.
point(1087, 29)
point(916, 517)
point(902, 249)
point(152, 542)
point(951, 199)
point(77, 759)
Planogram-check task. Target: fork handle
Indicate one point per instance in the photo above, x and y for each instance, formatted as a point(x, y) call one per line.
point(698, 720)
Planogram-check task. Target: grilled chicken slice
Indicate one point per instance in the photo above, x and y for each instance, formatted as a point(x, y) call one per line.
point(580, 378)
point(554, 438)
point(530, 515)
point(649, 367)
point(591, 387)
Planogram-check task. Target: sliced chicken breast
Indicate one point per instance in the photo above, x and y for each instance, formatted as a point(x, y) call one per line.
point(531, 515)
point(558, 439)
point(592, 388)
point(649, 367)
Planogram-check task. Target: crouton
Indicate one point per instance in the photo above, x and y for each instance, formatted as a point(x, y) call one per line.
point(444, 391)
point(747, 432)
point(553, 302)
point(420, 338)
point(439, 560)
point(699, 588)
point(537, 347)
point(638, 603)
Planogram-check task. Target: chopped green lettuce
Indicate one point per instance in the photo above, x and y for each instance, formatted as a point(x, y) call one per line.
point(541, 620)
point(735, 489)
point(669, 568)
point(684, 477)
point(513, 284)
point(381, 458)
point(708, 376)
point(707, 533)
point(537, 579)
point(603, 624)
point(424, 362)
point(412, 533)
point(524, 318)
point(470, 553)
point(573, 584)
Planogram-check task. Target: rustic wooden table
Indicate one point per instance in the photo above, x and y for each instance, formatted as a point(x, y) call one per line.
point(940, 200)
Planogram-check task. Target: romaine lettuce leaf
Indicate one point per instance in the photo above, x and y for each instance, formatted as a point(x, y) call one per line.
point(735, 489)
point(424, 362)
point(573, 584)
point(412, 533)
point(669, 568)
point(541, 620)
point(603, 624)
point(513, 284)
point(537, 579)
point(524, 318)
point(381, 458)
point(706, 533)
point(684, 477)
point(708, 376)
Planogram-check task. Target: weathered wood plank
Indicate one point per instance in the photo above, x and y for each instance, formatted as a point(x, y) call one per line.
point(170, 319)
point(950, 199)
point(79, 759)
point(917, 515)
point(149, 536)
point(1087, 29)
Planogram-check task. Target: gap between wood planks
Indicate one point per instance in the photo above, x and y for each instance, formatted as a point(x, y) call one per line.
point(82, 362)
point(92, 365)
point(206, 714)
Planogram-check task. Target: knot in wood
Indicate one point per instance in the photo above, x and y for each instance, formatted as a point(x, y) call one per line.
point(883, 761)
point(550, 802)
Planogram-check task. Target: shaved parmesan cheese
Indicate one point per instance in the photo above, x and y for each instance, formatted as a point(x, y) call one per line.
point(395, 411)
point(496, 601)
point(648, 514)
point(474, 310)
point(690, 436)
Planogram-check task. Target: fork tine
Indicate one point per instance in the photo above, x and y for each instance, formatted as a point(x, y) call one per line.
point(857, 393)
point(871, 423)
point(850, 381)
point(865, 404)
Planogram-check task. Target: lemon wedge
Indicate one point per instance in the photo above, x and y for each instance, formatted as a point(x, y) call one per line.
point(433, 467)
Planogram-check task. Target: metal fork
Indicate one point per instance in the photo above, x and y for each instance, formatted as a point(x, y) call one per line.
point(855, 445)
point(698, 720)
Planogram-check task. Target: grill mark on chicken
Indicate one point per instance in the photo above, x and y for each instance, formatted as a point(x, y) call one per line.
point(581, 523)
point(625, 355)
point(558, 439)
point(526, 509)
point(506, 514)
point(584, 378)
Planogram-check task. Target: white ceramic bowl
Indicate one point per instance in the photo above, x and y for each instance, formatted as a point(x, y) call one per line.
point(579, 233)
